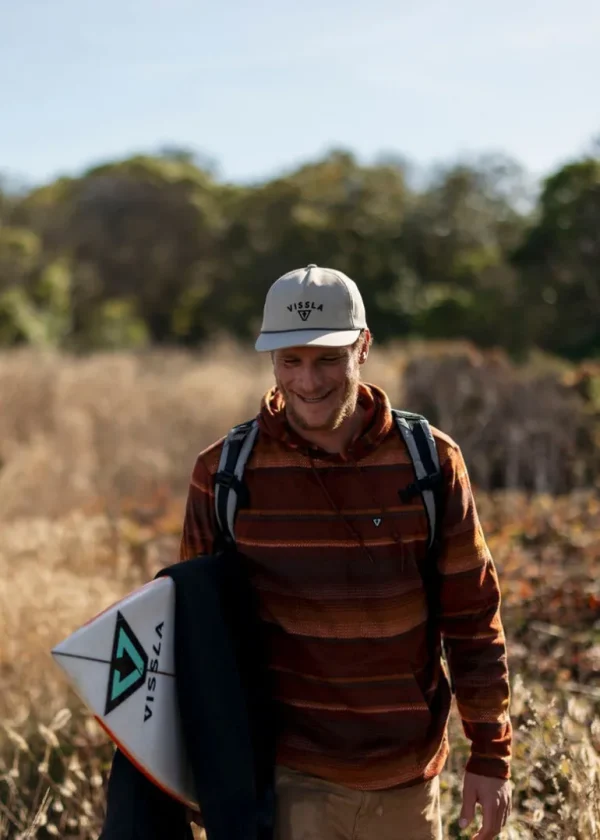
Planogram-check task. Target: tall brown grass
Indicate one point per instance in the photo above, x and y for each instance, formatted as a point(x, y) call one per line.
point(95, 456)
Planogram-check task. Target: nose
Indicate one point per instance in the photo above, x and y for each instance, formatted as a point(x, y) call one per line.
point(309, 381)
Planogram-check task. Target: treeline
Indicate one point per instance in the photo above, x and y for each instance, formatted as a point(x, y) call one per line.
point(156, 250)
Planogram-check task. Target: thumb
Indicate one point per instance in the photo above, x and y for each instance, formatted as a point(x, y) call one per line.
point(469, 802)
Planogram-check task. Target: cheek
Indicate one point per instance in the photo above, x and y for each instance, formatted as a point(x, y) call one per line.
point(283, 377)
point(337, 377)
point(348, 374)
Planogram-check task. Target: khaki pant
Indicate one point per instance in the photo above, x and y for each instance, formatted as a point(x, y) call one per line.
point(313, 809)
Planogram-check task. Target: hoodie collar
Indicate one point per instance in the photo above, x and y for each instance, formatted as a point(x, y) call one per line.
point(376, 425)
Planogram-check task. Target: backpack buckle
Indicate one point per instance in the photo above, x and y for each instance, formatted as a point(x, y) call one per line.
point(428, 482)
point(231, 482)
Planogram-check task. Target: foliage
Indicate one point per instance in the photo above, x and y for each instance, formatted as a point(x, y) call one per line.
point(160, 252)
point(560, 260)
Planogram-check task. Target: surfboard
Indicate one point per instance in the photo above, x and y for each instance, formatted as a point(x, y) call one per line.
point(121, 663)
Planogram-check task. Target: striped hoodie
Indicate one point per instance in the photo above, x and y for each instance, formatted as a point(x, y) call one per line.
point(335, 555)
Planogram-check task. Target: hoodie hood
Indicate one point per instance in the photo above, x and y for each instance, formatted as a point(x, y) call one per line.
point(377, 423)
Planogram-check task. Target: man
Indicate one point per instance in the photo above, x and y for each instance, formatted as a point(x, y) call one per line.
point(336, 560)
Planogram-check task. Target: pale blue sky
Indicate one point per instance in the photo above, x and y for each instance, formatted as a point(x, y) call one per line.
point(263, 85)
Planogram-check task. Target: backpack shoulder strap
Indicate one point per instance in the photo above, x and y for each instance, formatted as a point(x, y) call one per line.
point(417, 435)
point(230, 490)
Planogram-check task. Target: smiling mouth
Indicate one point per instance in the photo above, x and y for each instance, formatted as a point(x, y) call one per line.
point(314, 400)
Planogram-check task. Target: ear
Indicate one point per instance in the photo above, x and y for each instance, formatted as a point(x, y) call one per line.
point(364, 350)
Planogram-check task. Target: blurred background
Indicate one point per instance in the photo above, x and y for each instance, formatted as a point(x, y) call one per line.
point(161, 164)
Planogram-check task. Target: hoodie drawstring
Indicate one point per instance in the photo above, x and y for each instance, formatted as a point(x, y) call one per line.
point(331, 501)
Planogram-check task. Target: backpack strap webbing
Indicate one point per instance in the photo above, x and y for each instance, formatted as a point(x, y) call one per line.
point(418, 438)
point(429, 484)
point(230, 490)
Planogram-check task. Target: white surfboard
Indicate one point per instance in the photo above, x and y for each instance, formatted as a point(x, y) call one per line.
point(122, 665)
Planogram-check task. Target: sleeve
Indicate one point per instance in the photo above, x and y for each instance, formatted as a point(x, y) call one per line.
point(472, 628)
point(199, 523)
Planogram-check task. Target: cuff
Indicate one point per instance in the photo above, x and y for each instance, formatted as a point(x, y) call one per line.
point(497, 768)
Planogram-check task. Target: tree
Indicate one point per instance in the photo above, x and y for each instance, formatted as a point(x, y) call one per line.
point(559, 263)
point(456, 239)
point(143, 232)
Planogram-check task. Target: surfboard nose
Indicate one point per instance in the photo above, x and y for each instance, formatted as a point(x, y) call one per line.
point(121, 664)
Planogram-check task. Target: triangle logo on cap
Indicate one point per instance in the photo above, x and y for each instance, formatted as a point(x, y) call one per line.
point(304, 313)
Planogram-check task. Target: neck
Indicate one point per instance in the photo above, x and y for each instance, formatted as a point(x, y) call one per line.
point(334, 441)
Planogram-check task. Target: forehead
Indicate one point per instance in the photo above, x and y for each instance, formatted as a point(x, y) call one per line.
point(311, 353)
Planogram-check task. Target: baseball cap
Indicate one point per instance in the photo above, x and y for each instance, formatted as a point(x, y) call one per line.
point(314, 306)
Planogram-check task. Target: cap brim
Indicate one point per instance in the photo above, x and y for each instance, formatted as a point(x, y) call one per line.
point(305, 338)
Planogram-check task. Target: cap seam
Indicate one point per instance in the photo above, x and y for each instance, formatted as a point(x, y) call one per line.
point(311, 329)
point(347, 290)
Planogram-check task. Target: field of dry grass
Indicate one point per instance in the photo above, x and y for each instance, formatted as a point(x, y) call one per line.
point(95, 455)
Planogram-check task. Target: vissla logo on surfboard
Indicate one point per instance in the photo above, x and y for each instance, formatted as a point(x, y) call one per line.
point(129, 667)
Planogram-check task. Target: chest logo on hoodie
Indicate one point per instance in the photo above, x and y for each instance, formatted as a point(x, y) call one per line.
point(304, 308)
point(377, 522)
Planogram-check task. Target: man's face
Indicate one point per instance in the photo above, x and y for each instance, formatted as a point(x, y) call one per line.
point(319, 384)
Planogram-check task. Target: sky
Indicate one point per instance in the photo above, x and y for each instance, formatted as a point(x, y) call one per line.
point(260, 87)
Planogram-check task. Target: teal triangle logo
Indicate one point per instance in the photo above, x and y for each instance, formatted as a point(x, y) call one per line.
point(128, 665)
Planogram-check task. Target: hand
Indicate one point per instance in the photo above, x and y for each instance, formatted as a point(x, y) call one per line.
point(494, 796)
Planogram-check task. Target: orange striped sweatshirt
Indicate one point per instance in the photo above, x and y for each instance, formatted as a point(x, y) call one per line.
point(334, 555)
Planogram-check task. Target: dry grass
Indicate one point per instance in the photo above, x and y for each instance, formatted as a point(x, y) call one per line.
point(96, 455)
point(95, 431)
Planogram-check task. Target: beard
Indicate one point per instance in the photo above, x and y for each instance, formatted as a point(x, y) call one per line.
point(341, 412)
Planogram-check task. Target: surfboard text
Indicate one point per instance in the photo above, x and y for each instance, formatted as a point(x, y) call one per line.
point(153, 668)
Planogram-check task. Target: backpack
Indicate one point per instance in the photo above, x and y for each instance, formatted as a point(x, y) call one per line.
point(231, 493)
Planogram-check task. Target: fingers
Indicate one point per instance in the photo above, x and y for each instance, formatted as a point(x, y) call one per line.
point(487, 833)
point(494, 820)
point(467, 813)
point(469, 802)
